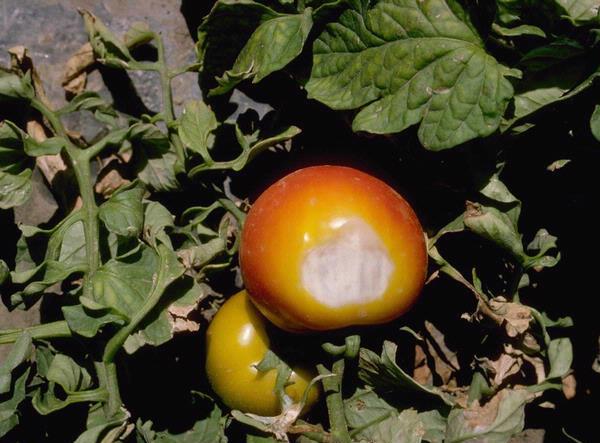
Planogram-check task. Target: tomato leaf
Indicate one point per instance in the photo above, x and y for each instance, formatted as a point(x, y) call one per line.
point(196, 126)
point(375, 420)
point(580, 12)
point(494, 422)
point(9, 414)
point(404, 63)
point(72, 378)
point(384, 372)
point(14, 87)
point(123, 212)
point(209, 430)
point(274, 44)
point(86, 322)
point(155, 160)
point(19, 352)
point(560, 355)
point(103, 429)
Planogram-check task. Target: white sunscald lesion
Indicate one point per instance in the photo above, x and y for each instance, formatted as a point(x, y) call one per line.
point(352, 267)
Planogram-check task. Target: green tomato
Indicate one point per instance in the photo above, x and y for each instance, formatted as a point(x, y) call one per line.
point(236, 341)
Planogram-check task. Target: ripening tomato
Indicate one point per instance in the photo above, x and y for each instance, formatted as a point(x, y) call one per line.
point(328, 247)
point(236, 340)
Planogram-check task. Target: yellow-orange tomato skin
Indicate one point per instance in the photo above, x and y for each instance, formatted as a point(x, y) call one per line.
point(236, 340)
point(306, 209)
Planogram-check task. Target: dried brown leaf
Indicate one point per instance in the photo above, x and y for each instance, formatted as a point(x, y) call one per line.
point(516, 317)
point(75, 75)
point(569, 386)
point(178, 316)
point(538, 366)
point(507, 364)
point(445, 361)
point(21, 62)
point(421, 372)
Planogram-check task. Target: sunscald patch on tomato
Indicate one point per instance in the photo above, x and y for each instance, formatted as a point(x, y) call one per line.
point(328, 247)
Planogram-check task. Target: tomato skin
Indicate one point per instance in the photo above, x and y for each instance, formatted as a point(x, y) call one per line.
point(236, 340)
point(285, 240)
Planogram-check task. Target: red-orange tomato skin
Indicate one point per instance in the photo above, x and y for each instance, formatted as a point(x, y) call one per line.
point(295, 214)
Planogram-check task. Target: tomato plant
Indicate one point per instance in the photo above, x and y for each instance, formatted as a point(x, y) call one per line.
point(328, 247)
point(483, 115)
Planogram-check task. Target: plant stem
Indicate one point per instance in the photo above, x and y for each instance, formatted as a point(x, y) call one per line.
point(335, 402)
point(107, 375)
point(167, 98)
point(81, 165)
point(46, 330)
point(52, 118)
point(80, 160)
point(92, 395)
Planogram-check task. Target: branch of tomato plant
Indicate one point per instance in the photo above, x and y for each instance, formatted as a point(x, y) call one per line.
point(167, 96)
point(335, 403)
point(80, 160)
point(333, 386)
point(46, 330)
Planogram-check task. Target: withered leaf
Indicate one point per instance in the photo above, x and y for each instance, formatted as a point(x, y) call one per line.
point(516, 317)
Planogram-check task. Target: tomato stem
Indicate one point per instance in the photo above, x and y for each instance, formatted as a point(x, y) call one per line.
point(335, 402)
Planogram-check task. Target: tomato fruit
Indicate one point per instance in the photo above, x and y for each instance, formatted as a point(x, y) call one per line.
point(236, 340)
point(328, 247)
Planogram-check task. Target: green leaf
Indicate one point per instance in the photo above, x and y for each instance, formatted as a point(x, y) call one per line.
point(580, 12)
point(68, 374)
point(196, 126)
point(435, 426)
point(273, 45)
point(496, 226)
point(123, 284)
point(65, 255)
point(209, 430)
point(541, 244)
point(156, 219)
point(560, 355)
point(19, 352)
point(155, 159)
point(225, 31)
point(123, 213)
point(495, 422)
point(410, 62)
point(384, 372)
point(102, 429)
point(519, 30)
point(138, 34)
point(377, 421)
point(9, 414)
point(248, 151)
point(15, 165)
point(88, 101)
point(73, 379)
point(595, 123)
point(87, 323)
point(479, 388)
point(109, 49)
point(14, 87)
point(4, 272)
point(14, 189)
point(158, 328)
point(548, 56)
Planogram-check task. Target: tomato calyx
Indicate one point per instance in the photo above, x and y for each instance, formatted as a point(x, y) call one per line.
point(284, 423)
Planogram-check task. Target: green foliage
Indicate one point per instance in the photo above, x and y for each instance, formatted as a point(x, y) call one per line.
point(130, 269)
